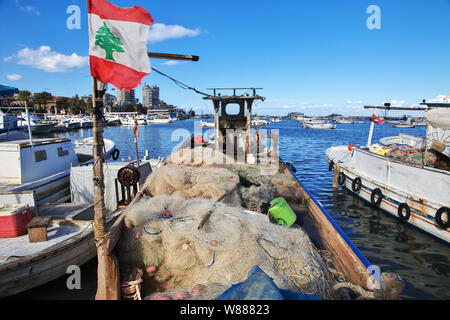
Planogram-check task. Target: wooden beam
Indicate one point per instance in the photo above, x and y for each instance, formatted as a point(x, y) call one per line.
point(170, 56)
point(395, 108)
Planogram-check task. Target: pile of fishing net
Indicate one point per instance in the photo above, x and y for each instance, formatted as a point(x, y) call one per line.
point(190, 182)
point(181, 261)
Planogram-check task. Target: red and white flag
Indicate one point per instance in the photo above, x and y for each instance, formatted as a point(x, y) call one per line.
point(118, 43)
point(376, 119)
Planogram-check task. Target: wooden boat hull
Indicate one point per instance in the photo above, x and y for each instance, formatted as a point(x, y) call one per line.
point(345, 255)
point(52, 263)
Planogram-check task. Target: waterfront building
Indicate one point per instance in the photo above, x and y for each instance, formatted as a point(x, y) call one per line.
point(150, 97)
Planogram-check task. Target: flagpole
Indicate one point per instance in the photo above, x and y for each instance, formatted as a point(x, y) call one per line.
point(369, 141)
point(107, 270)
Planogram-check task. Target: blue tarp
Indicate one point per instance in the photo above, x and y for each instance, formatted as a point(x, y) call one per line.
point(7, 91)
point(259, 286)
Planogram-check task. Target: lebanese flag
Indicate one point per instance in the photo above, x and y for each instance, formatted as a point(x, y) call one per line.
point(118, 43)
point(376, 119)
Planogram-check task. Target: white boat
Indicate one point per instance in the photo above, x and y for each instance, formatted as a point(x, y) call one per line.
point(37, 125)
point(207, 124)
point(260, 123)
point(159, 120)
point(403, 125)
point(312, 121)
point(127, 121)
point(326, 126)
point(141, 120)
point(412, 192)
point(275, 120)
point(342, 120)
point(85, 122)
point(84, 149)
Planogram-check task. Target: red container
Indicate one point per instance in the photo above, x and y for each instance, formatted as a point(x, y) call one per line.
point(14, 219)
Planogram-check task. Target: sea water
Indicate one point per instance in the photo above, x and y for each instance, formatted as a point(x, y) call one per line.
point(422, 261)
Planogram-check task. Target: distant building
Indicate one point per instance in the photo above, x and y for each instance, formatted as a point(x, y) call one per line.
point(108, 99)
point(150, 97)
point(125, 98)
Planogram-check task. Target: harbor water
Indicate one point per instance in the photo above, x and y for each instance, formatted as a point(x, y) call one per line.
point(423, 262)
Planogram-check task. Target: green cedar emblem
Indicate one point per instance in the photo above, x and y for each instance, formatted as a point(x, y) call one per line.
point(108, 42)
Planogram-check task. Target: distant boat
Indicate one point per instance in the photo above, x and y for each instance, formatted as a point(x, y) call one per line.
point(344, 120)
point(260, 123)
point(159, 120)
point(403, 125)
point(275, 120)
point(327, 126)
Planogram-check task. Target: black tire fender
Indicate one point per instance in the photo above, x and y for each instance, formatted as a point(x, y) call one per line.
point(356, 184)
point(438, 218)
point(378, 195)
point(116, 154)
point(404, 215)
point(341, 178)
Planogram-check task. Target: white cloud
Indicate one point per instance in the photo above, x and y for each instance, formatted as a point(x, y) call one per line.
point(397, 103)
point(171, 63)
point(14, 77)
point(50, 61)
point(160, 32)
point(440, 98)
point(30, 9)
point(353, 102)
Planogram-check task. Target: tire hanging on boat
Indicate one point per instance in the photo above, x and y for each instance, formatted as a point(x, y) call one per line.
point(116, 154)
point(376, 197)
point(341, 178)
point(438, 218)
point(356, 184)
point(404, 215)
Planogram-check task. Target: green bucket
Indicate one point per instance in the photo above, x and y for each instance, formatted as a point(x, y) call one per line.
point(282, 212)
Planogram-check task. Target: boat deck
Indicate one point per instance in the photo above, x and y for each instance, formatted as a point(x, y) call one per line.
point(18, 247)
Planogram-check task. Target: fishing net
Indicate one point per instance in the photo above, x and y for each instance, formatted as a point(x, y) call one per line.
point(211, 183)
point(178, 256)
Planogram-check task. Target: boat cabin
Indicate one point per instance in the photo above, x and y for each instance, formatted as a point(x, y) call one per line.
point(23, 162)
point(225, 119)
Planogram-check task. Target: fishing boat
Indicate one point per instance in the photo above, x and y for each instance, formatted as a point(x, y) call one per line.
point(70, 242)
point(39, 170)
point(326, 126)
point(406, 176)
point(127, 121)
point(345, 257)
point(275, 120)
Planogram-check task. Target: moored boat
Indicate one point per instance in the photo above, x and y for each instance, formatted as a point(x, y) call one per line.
point(407, 177)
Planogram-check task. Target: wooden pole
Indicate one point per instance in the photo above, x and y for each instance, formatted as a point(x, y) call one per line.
point(107, 272)
point(136, 137)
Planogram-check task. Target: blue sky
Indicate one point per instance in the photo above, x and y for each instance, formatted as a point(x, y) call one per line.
point(310, 56)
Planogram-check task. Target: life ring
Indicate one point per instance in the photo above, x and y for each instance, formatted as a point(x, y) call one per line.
point(438, 218)
point(291, 167)
point(341, 178)
point(404, 215)
point(356, 184)
point(116, 154)
point(330, 167)
point(376, 197)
